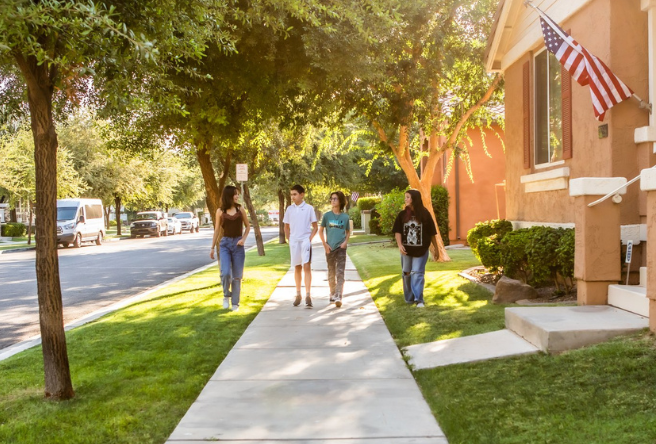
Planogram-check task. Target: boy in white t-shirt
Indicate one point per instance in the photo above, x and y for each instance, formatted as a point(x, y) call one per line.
point(300, 227)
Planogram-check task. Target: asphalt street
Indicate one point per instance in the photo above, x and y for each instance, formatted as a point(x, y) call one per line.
point(94, 277)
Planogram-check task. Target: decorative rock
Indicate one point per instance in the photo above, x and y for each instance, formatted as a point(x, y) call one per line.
point(510, 290)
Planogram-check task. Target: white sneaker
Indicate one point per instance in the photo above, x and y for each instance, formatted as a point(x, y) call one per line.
point(226, 303)
point(420, 305)
point(235, 307)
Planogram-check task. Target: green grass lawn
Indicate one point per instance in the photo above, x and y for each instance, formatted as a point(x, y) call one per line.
point(111, 232)
point(136, 371)
point(600, 394)
point(358, 238)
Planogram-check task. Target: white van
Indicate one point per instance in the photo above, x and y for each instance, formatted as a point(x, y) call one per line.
point(80, 220)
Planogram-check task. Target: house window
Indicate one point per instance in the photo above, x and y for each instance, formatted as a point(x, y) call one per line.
point(548, 109)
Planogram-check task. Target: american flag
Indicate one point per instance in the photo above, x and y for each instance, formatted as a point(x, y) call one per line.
point(605, 88)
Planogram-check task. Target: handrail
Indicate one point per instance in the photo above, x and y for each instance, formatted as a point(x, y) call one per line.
point(615, 192)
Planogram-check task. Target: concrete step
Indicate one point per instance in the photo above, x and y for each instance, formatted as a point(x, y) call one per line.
point(631, 298)
point(643, 276)
point(556, 329)
point(493, 345)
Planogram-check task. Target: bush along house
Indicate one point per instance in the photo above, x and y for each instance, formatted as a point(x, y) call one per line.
point(580, 138)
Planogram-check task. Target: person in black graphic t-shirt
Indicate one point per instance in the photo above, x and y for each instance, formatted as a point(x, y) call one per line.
point(414, 230)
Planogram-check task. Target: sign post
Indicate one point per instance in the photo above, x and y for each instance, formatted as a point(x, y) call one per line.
point(629, 254)
point(242, 175)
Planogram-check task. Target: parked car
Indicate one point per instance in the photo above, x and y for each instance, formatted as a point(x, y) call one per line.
point(151, 223)
point(80, 220)
point(188, 220)
point(175, 226)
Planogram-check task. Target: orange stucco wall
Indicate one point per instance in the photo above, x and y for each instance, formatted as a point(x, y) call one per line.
point(615, 31)
point(475, 201)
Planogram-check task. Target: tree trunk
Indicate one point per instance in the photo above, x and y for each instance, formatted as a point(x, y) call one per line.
point(29, 222)
point(281, 215)
point(13, 215)
point(117, 209)
point(255, 223)
point(225, 173)
point(58, 383)
point(212, 192)
point(108, 211)
point(423, 185)
point(288, 198)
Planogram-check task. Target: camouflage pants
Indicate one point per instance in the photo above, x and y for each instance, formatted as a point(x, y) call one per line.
point(336, 264)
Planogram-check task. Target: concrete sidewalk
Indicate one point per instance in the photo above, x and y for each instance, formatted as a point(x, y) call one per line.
point(313, 375)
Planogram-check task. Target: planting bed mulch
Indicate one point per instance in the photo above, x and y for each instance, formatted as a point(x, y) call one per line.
point(547, 295)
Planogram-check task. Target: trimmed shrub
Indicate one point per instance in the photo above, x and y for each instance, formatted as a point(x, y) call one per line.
point(494, 230)
point(389, 207)
point(541, 252)
point(112, 223)
point(368, 203)
point(356, 217)
point(565, 253)
point(440, 201)
point(374, 226)
point(14, 229)
point(514, 259)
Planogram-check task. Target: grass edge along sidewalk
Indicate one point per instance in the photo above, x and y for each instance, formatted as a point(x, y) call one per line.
point(600, 394)
point(137, 371)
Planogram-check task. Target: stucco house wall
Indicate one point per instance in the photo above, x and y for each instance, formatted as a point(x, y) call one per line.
point(472, 202)
point(615, 31)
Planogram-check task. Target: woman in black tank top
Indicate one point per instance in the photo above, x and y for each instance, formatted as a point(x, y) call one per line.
point(229, 233)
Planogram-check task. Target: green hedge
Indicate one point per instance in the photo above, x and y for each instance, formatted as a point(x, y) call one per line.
point(388, 208)
point(440, 199)
point(356, 217)
point(536, 255)
point(368, 203)
point(14, 229)
point(392, 203)
point(488, 251)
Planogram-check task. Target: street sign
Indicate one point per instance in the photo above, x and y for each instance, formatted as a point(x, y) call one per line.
point(242, 172)
point(354, 196)
point(629, 251)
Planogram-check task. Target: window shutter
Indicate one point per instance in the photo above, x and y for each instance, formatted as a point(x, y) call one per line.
point(566, 96)
point(527, 115)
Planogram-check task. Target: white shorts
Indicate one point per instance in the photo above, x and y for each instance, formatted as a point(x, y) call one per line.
point(301, 251)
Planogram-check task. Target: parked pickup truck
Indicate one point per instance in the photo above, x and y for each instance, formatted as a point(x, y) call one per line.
point(151, 223)
point(188, 220)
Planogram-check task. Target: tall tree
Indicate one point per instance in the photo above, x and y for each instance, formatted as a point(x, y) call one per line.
point(55, 48)
point(418, 79)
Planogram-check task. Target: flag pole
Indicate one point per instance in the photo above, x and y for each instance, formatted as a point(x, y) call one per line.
point(641, 103)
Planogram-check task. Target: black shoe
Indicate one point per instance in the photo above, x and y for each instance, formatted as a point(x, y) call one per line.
point(298, 300)
point(308, 301)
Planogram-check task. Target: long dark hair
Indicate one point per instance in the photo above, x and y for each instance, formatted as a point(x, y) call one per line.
point(228, 198)
point(417, 209)
point(341, 197)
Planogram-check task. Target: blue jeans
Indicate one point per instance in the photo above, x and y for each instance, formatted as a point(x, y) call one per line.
point(413, 277)
point(232, 258)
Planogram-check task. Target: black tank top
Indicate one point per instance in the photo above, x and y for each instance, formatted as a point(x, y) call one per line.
point(232, 225)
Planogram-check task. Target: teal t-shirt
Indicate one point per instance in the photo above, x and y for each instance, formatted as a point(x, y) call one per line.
point(336, 226)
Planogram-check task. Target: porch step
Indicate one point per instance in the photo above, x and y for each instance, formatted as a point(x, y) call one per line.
point(556, 329)
point(631, 298)
point(496, 344)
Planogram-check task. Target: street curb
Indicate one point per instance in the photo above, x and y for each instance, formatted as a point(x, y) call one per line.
point(17, 250)
point(36, 340)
